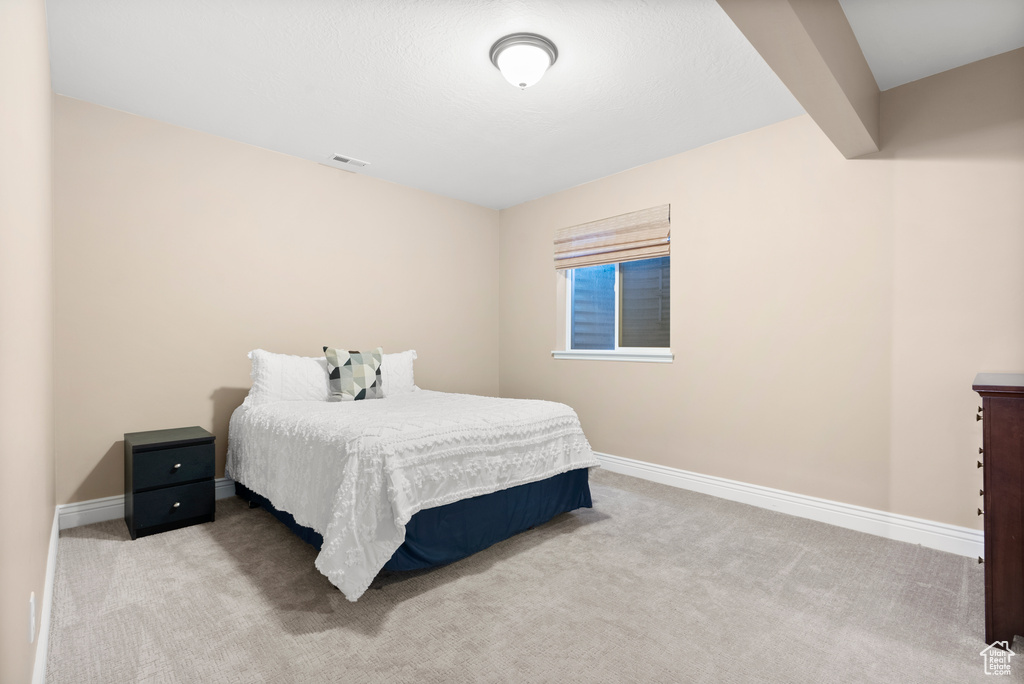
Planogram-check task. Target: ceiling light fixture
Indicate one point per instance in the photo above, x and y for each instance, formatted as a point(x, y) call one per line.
point(522, 58)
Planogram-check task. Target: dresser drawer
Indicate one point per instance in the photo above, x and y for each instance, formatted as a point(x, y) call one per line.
point(164, 467)
point(172, 504)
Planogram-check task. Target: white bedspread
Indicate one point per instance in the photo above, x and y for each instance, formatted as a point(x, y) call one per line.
point(357, 471)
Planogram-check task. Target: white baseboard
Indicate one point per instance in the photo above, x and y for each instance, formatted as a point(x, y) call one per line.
point(962, 541)
point(112, 507)
point(951, 538)
point(43, 638)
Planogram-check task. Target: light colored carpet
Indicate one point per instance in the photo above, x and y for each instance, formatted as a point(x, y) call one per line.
point(654, 584)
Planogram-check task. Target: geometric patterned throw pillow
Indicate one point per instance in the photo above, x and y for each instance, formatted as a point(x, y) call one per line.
point(354, 375)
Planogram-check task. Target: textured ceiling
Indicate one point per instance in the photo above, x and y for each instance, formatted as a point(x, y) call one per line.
point(904, 40)
point(407, 85)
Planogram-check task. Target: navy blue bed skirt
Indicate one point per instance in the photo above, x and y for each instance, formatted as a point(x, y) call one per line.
point(445, 534)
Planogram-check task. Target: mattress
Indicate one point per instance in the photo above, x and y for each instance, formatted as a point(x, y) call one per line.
point(356, 472)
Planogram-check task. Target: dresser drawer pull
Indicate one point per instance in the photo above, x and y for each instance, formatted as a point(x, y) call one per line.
point(981, 492)
point(980, 560)
point(977, 417)
point(178, 503)
point(980, 450)
point(176, 466)
point(980, 464)
point(980, 512)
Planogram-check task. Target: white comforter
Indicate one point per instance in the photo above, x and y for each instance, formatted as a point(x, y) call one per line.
point(357, 471)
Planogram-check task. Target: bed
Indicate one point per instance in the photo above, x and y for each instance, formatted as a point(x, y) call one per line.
point(413, 480)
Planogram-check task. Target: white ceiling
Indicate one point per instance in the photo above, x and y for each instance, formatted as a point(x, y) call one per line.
point(904, 40)
point(407, 84)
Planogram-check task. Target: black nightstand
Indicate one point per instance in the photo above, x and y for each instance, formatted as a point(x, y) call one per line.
point(168, 479)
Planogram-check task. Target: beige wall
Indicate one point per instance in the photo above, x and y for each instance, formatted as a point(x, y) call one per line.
point(177, 252)
point(828, 316)
point(955, 143)
point(26, 319)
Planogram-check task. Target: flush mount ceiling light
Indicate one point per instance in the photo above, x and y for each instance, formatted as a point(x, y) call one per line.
point(522, 58)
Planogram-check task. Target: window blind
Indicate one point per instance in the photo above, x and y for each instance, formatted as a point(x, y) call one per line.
point(637, 235)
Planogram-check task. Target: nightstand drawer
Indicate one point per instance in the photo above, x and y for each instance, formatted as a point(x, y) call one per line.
point(165, 467)
point(171, 504)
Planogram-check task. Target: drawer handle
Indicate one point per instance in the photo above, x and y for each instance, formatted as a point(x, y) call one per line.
point(176, 466)
point(981, 492)
point(980, 512)
point(977, 417)
point(980, 450)
point(980, 464)
point(176, 504)
point(980, 560)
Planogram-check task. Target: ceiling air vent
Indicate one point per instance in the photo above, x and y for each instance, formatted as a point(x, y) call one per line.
point(349, 161)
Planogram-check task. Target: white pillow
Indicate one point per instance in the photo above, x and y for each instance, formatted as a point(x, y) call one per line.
point(396, 373)
point(283, 377)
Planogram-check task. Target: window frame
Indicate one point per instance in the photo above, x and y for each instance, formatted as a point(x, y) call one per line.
point(641, 354)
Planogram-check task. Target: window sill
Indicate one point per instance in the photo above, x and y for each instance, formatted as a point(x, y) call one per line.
point(652, 356)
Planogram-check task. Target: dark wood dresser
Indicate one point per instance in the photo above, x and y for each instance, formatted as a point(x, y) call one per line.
point(1002, 410)
point(168, 479)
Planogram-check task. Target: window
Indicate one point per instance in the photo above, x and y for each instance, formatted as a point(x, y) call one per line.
point(615, 288)
point(619, 306)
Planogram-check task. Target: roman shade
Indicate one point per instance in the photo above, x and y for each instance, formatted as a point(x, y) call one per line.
point(637, 235)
